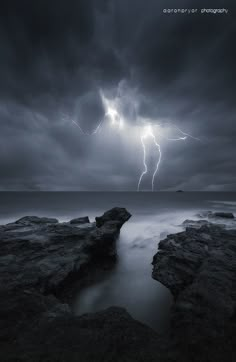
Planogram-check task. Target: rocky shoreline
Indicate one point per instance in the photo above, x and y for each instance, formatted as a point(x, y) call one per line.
point(198, 265)
point(39, 256)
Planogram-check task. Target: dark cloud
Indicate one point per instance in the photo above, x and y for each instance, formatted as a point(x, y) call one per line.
point(57, 57)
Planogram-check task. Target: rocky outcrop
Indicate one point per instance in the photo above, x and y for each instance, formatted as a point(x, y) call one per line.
point(199, 267)
point(42, 253)
point(80, 220)
point(226, 215)
point(196, 223)
point(114, 217)
point(38, 256)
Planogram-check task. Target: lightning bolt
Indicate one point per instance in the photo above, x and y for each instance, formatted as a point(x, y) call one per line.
point(88, 133)
point(112, 113)
point(148, 132)
point(185, 136)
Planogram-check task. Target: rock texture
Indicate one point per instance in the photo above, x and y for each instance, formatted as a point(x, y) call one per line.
point(199, 267)
point(115, 217)
point(38, 256)
point(42, 253)
point(39, 328)
point(80, 220)
point(216, 215)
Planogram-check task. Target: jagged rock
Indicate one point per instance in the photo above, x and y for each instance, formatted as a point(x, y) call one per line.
point(80, 220)
point(116, 216)
point(42, 253)
point(199, 267)
point(37, 256)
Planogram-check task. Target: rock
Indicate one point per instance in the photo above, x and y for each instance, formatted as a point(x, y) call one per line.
point(116, 217)
point(80, 220)
point(199, 223)
point(195, 223)
point(109, 335)
point(19, 308)
point(29, 220)
point(211, 215)
point(226, 215)
point(199, 267)
point(42, 253)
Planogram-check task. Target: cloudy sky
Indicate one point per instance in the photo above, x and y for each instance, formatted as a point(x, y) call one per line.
point(61, 59)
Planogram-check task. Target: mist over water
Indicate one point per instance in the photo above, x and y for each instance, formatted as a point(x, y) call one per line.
point(154, 215)
point(130, 284)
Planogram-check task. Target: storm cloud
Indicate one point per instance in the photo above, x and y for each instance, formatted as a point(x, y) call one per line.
point(58, 56)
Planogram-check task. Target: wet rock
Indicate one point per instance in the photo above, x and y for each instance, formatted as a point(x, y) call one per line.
point(199, 223)
point(195, 223)
point(39, 255)
point(42, 253)
point(29, 220)
point(115, 217)
point(80, 220)
point(199, 267)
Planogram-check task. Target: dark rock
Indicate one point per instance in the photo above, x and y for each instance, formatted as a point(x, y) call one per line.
point(110, 335)
point(80, 220)
point(211, 215)
point(29, 220)
point(226, 215)
point(199, 267)
point(114, 217)
point(37, 257)
point(199, 223)
point(19, 309)
point(38, 252)
point(195, 223)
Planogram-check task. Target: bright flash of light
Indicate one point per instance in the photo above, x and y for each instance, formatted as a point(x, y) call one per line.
point(184, 135)
point(148, 133)
point(111, 111)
